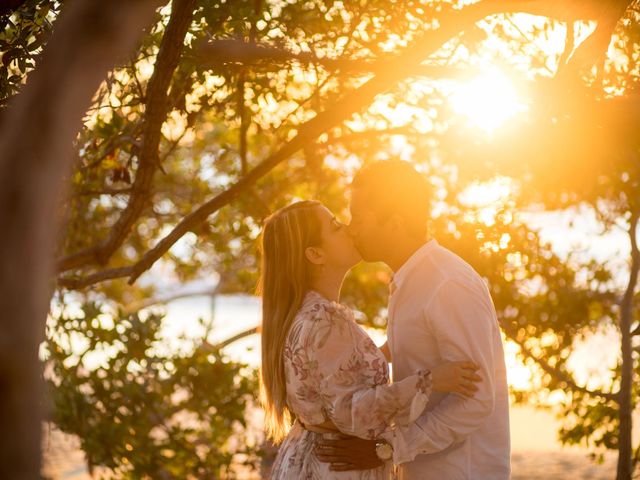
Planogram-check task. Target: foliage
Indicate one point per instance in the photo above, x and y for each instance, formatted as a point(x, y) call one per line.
point(22, 36)
point(141, 408)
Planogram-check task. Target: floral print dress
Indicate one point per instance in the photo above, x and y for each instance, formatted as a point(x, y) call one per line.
point(335, 372)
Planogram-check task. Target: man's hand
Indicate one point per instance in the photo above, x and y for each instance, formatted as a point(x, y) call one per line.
point(348, 453)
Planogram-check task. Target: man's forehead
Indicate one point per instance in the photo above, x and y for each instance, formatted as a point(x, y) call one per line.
point(356, 199)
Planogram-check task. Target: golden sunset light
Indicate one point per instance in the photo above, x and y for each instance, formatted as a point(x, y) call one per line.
point(236, 231)
point(487, 101)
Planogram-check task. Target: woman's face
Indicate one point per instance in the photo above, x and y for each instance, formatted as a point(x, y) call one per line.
point(337, 245)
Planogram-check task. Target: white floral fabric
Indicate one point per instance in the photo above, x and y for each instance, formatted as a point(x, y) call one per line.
point(335, 372)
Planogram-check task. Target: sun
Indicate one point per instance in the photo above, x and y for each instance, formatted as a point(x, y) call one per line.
point(487, 101)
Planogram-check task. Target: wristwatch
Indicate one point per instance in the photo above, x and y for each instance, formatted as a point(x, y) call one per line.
point(384, 451)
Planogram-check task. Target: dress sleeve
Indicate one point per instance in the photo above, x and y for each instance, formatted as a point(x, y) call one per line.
point(353, 379)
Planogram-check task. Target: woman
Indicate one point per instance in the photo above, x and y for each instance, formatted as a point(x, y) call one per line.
point(318, 365)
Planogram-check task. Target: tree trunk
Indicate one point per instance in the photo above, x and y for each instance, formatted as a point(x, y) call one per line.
point(36, 151)
point(625, 447)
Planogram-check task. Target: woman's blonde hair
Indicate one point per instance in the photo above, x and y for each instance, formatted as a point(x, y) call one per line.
point(284, 281)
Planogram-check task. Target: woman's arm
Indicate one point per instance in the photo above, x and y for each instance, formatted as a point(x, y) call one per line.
point(350, 377)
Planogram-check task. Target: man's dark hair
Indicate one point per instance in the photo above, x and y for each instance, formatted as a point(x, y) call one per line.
point(395, 187)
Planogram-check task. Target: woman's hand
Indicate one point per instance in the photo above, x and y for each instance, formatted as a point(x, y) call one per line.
point(456, 377)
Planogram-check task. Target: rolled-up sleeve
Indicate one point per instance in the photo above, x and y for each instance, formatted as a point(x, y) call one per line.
point(462, 319)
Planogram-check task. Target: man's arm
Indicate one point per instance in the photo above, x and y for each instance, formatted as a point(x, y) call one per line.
point(386, 352)
point(462, 318)
point(347, 453)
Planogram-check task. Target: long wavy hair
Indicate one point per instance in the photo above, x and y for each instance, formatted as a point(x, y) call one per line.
point(284, 281)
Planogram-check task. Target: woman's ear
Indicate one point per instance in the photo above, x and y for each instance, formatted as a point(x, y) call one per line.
point(315, 255)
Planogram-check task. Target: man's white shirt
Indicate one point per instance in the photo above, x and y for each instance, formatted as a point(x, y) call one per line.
point(440, 310)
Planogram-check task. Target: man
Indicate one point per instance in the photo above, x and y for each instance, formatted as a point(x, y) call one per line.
point(439, 309)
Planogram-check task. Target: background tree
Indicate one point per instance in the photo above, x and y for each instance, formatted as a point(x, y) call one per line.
point(228, 110)
point(145, 409)
point(32, 169)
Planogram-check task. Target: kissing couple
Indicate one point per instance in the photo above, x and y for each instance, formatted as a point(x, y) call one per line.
point(326, 387)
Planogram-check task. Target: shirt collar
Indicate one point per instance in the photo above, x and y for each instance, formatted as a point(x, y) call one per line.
point(411, 263)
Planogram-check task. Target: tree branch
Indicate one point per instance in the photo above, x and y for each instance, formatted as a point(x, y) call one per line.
point(245, 54)
point(626, 305)
point(569, 44)
point(76, 283)
point(635, 266)
point(149, 302)
point(224, 51)
point(626, 349)
point(235, 338)
point(105, 191)
point(355, 66)
point(596, 45)
point(563, 377)
point(156, 107)
point(245, 120)
point(375, 134)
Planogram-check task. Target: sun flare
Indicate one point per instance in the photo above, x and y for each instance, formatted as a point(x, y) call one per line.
point(487, 101)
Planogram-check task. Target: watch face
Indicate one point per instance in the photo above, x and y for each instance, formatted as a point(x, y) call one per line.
point(384, 451)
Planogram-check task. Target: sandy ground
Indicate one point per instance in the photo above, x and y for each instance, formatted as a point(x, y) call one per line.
point(561, 465)
point(64, 461)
